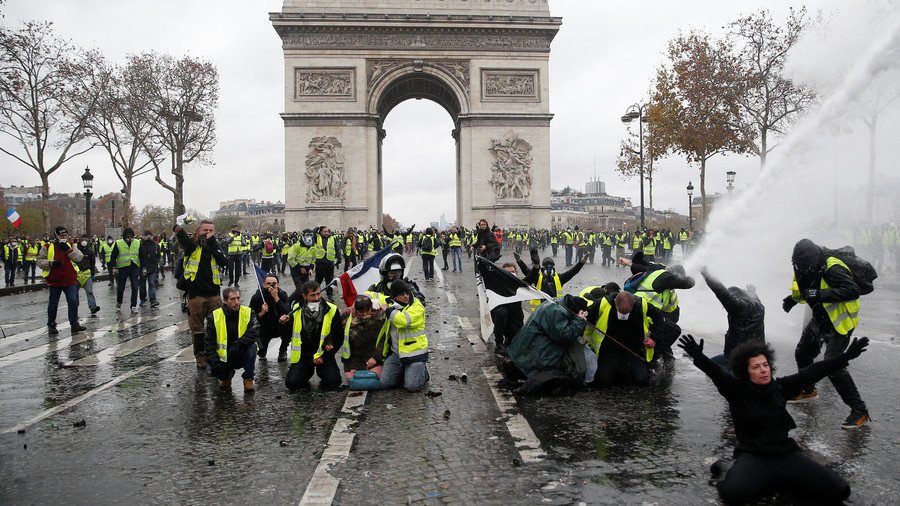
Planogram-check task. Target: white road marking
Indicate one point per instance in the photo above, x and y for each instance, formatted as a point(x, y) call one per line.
point(474, 339)
point(451, 298)
point(128, 347)
point(323, 486)
point(440, 277)
point(527, 444)
point(184, 356)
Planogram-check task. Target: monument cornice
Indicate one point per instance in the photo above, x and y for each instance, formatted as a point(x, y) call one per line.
point(369, 19)
point(506, 119)
point(330, 119)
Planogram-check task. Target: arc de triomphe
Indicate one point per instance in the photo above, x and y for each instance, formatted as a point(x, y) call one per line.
point(347, 63)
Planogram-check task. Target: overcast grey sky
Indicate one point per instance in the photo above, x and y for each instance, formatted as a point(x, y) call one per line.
point(601, 62)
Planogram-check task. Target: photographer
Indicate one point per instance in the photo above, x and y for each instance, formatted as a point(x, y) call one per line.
point(58, 260)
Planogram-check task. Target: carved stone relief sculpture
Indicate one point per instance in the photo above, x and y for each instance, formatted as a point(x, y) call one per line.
point(325, 170)
point(511, 169)
point(510, 85)
point(323, 83)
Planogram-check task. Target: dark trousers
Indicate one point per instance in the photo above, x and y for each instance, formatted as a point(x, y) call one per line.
point(71, 301)
point(814, 334)
point(268, 264)
point(234, 269)
point(131, 273)
point(9, 273)
point(298, 277)
point(507, 320)
point(283, 265)
point(349, 261)
point(26, 268)
point(428, 266)
point(554, 246)
point(753, 476)
point(239, 357)
point(620, 368)
point(607, 256)
point(325, 272)
point(299, 373)
point(568, 255)
point(266, 335)
point(444, 253)
point(149, 282)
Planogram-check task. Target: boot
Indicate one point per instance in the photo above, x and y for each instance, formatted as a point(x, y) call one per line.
point(198, 351)
point(248, 385)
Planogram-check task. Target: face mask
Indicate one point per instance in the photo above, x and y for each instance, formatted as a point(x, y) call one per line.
point(12, 245)
point(622, 316)
point(312, 306)
point(109, 241)
point(548, 271)
point(84, 243)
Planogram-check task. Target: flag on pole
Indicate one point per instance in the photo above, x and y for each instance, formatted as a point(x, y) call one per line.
point(497, 286)
point(361, 276)
point(13, 216)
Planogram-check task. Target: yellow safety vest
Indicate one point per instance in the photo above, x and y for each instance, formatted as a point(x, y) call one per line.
point(540, 282)
point(596, 338)
point(327, 252)
point(345, 348)
point(301, 255)
point(297, 342)
point(408, 325)
point(636, 242)
point(31, 253)
point(650, 247)
point(843, 315)
point(51, 253)
point(106, 249)
point(128, 254)
point(666, 301)
point(222, 332)
point(235, 245)
point(454, 241)
point(192, 265)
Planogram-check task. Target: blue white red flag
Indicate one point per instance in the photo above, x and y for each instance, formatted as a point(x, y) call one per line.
point(13, 216)
point(361, 277)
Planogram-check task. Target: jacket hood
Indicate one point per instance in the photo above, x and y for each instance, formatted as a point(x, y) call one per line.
point(807, 255)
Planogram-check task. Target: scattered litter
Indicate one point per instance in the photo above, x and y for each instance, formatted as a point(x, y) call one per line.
point(80, 424)
point(25, 446)
point(447, 414)
point(516, 463)
point(452, 377)
point(432, 393)
point(283, 442)
point(21, 431)
point(464, 378)
point(211, 462)
point(390, 406)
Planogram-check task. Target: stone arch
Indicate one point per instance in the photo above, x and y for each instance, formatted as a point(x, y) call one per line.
point(418, 80)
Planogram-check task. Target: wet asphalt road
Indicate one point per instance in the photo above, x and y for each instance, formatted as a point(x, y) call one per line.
point(164, 433)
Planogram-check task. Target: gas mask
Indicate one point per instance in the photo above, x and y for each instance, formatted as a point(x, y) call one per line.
point(307, 240)
point(549, 270)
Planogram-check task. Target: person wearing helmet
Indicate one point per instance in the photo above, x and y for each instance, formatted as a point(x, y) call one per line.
point(391, 269)
point(544, 276)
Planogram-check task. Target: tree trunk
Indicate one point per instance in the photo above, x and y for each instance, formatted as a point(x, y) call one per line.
point(126, 203)
point(45, 202)
point(870, 198)
point(178, 206)
point(763, 147)
point(703, 190)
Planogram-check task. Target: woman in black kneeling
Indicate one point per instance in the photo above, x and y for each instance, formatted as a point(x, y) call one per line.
point(767, 460)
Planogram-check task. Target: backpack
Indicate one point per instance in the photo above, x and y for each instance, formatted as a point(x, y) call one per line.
point(427, 244)
point(863, 272)
point(634, 282)
point(270, 248)
point(364, 380)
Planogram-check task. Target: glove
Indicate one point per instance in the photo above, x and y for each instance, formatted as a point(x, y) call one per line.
point(811, 295)
point(788, 303)
point(55, 263)
point(535, 259)
point(856, 347)
point(691, 346)
point(517, 256)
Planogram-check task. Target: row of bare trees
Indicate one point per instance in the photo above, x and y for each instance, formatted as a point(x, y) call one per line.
point(721, 95)
point(152, 113)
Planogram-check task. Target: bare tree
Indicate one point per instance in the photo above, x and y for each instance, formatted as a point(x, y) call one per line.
point(48, 90)
point(121, 126)
point(771, 101)
point(180, 98)
point(882, 92)
point(628, 164)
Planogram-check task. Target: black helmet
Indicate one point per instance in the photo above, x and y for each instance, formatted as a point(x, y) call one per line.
point(392, 262)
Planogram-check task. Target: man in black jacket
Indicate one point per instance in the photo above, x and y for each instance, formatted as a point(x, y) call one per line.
point(657, 283)
point(231, 334)
point(746, 314)
point(766, 458)
point(149, 254)
point(316, 337)
point(828, 287)
point(268, 310)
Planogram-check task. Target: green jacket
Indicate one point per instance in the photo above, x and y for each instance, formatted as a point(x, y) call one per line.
point(549, 340)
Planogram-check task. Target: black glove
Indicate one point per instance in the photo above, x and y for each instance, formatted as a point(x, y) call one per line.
point(856, 347)
point(788, 303)
point(535, 259)
point(691, 346)
point(245, 341)
point(55, 263)
point(811, 295)
point(517, 256)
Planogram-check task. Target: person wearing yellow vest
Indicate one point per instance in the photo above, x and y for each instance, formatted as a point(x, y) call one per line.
point(32, 248)
point(126, 257)
point(657, 284)
point(106, 248)
point(231, 335)
point(406, 348)
point(568, 241)
point(13, 254)
point(455, 242)
point(328, 254)
point(284, 247)
point(58, 260)
point(351, 245)
point(826, 284)
point(316, 336)
point(302, 258)
point(235, 244)
point(545, 278)
point(201, 280)
point(633, 323)
point(684, 238)
point(87, 268)
point(428, 248)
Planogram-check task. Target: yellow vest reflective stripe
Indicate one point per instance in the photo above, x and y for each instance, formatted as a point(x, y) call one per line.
point(192, 265)
point(345, 348)
point(31, 253)
point(301, 255)
point(409, 324)
point(636, 242)
point(106, 249)
point(128, 254)
point(236, 244)
point(51, 253)
point(454, 241)
point(843, 315)
point(667, 244)
point(297, 342)
point(596, 338)
point(327, 251)
point(666, 301)
point(554, 239)
point(682, 236)
point(222, 332)
point(540, 282)
point(650, 247)
point(568, 238)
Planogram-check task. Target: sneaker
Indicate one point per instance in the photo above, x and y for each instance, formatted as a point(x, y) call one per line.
point(282, 357)
point(51, 329)
point(95, 309)
point(134, 309)
point(154, 303)
point(718, 468)
point(118, 306)
point(248, 385)
point(804, 397)
point(856, 420)
point(78, 328)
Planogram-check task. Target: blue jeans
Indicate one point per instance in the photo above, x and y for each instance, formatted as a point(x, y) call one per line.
point(148, 284)
point(456, 255)
point(414, 376)
point(247, 362)
point(89, 291)
point(132, 273)
point(568, 255)
point(71, 300)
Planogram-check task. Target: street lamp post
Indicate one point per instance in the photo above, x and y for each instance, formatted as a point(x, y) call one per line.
point(112, 218)
point(690, 191)
point(88, 179)
point(636, 112)
point(729, 178)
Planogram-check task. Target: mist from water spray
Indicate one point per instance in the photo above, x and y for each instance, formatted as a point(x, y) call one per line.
point(750, 236)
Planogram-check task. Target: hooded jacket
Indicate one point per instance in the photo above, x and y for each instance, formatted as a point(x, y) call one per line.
point(809, 269)
point(746, 313)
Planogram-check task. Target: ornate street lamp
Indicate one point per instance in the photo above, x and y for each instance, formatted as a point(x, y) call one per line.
point(729, 178)
point(88, 179)
point(690, 191)
point(634, 112)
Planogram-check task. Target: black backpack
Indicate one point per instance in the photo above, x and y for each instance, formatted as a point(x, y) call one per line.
point(863, 272)
point(427, 244)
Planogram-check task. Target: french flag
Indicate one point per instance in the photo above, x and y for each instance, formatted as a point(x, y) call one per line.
point(13, 216)
point(361, 276)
